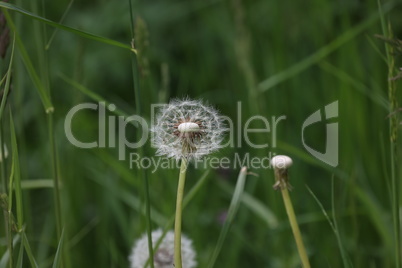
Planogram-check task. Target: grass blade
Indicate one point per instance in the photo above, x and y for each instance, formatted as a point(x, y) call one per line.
point(63, 27)
point(334, 229)
point(321, 53)
point(233, 208)
point(17, 175)
point(57, 257)
point(29, 66)
point(358, 85)
point(37, 184)
point(28, 250)
point(345, 259)
point(89, 93)
point(20, 256)
point(393, 132)
point(142, 173)
point(256, 206)
point(128, 198)
point(5, 258)
point(8, 79)
point(378, 217)
point(9, 215)
point(61, 20)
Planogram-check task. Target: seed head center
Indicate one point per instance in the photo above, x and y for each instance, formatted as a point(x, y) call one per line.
point(188, 127)
point(163, 257)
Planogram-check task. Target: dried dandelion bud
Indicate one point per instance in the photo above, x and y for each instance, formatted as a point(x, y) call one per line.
point(281, 163)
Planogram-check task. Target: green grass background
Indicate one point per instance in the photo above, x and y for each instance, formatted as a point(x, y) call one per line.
point(275, 57)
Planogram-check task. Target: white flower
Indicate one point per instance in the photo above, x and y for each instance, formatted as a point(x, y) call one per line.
point(164, 255)
point(188, 129)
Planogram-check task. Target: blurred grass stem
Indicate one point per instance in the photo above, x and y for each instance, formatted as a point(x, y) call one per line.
point(393, 132)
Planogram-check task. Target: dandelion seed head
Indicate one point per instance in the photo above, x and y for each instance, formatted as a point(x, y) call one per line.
point(164, 255)
point(187, 129)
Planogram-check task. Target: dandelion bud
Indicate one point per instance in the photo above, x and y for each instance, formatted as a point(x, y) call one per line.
point(281, 163)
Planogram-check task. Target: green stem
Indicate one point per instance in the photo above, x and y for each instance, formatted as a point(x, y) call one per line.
point(56, 187)
point(282, 183)
point(143, 174)
point(393, 128)
point(148, 215)
point(179, 204)
point(10, 238)
point(3, 187)
point(295, 228)
point(56, 191)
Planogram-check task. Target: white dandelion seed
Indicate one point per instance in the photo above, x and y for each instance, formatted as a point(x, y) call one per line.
point(188, 129)
point(164, 255)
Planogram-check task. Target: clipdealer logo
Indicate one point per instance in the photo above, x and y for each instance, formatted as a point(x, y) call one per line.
point(112, 130)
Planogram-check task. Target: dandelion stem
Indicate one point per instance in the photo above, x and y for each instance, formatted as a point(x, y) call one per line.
point(179, 203)
point(295, 228)
point(282, 183)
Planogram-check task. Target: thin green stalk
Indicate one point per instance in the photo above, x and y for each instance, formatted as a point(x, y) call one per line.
point(148, 214)
point(8, 81)
point(3, 187)
point(243, 46)
point(14, 187)
point(232, 211)
point(333, 225)
point(56, 188)
point(60, 22)
point(186, 200)
point(48, 106)
point(87, 35)
point(15, 180)
point(28, 250)
point(393, 129)
point(179, 208)
point(338, 236)
point(295, 228)
point(9, 218)
point(281, 177)
point(143, 174)
point(56, 192)
point(393, 123)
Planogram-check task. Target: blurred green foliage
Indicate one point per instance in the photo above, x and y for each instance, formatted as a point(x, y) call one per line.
point(276, 58)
